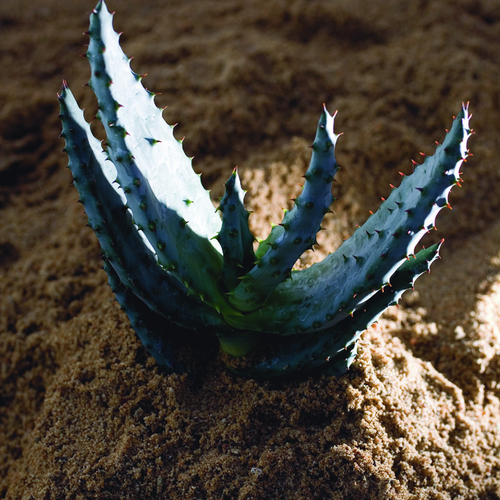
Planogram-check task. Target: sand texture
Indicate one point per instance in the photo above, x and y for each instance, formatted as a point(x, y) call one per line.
point(86, 413)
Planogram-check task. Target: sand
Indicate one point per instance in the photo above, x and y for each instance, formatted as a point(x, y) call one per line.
point(86, 413)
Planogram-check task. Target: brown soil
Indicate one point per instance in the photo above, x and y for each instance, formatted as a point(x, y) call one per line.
point(85, 412)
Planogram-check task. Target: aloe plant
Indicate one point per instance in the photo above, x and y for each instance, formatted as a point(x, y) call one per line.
point(176, 263)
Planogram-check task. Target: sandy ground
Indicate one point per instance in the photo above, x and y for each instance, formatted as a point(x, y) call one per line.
point(85, 412)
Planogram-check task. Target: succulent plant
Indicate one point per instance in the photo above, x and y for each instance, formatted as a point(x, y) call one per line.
point(175, 263)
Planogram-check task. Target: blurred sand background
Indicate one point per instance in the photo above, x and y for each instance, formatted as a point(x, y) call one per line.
point(85, 412)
